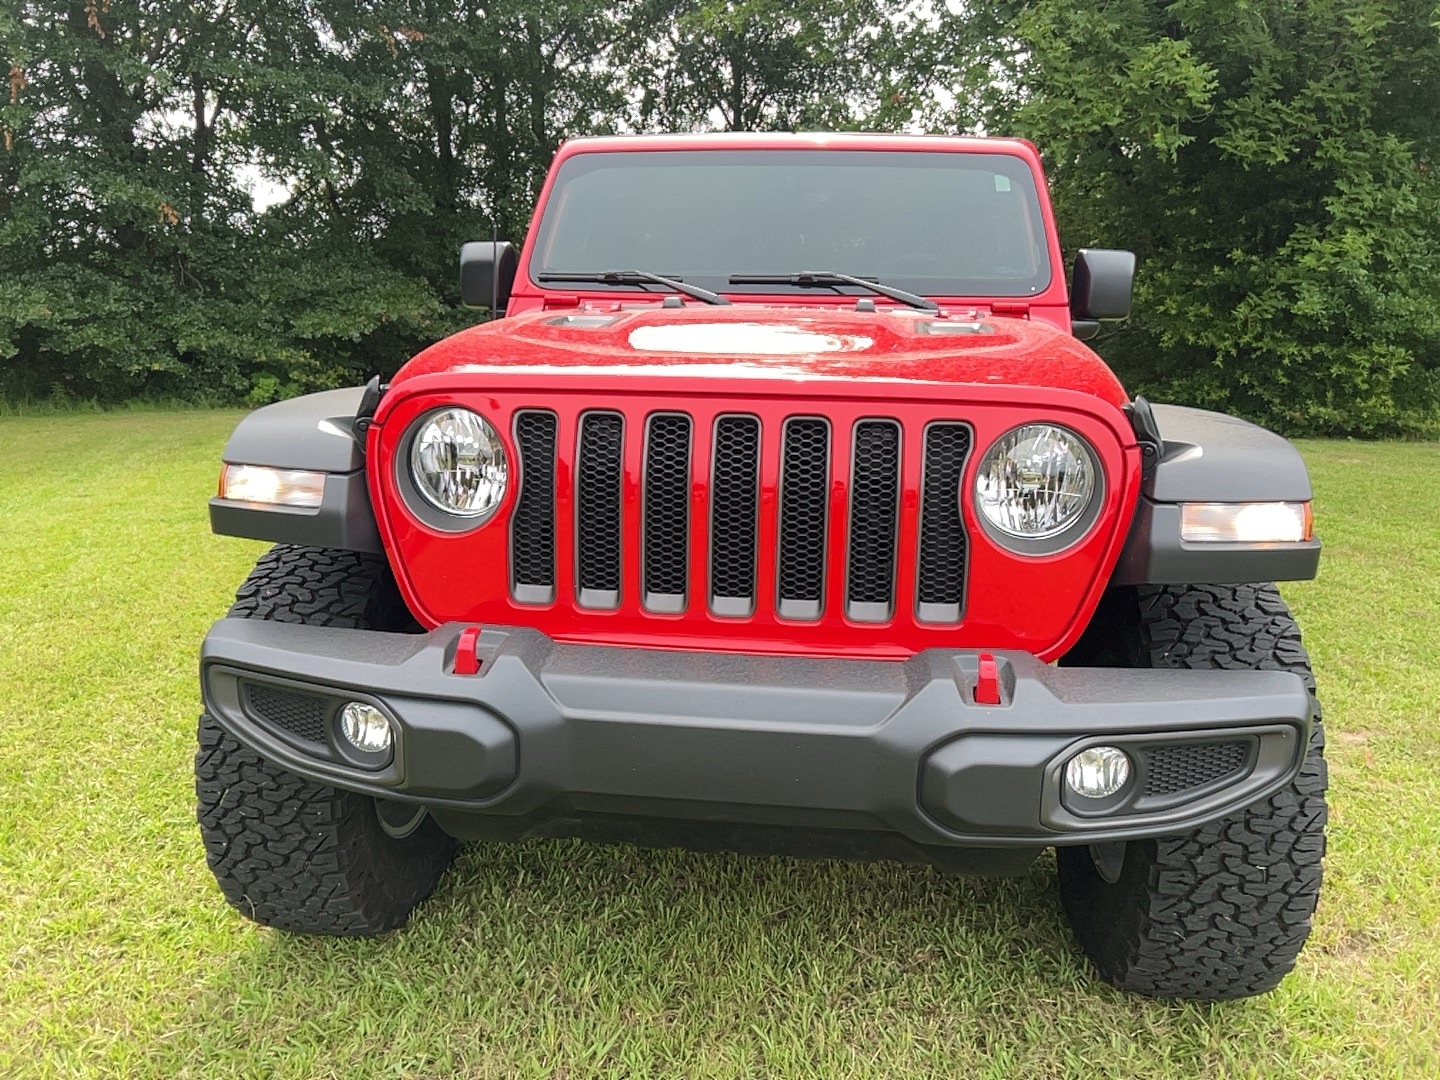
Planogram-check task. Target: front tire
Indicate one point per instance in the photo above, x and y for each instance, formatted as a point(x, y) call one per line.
point(288, 852)
point(1222, 911)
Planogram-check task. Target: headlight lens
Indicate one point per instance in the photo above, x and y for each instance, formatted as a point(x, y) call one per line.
point(1035, 482)
point(459, 463)
point(272, 487)
point(1246, 523)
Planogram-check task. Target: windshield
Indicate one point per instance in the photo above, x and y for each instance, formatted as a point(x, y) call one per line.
point(940, 224)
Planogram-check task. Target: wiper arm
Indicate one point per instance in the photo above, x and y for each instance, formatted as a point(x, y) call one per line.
point(625, 277)
point(824, 278)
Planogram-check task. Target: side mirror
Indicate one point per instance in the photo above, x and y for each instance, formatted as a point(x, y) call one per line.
point(1100, 288)
point(487, 273)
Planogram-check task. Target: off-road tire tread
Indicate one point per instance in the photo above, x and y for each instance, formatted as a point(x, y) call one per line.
point(322, 587)
point(1223, 911)
point(288, 852)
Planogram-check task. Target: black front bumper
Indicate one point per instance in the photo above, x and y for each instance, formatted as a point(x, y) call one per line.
point(551, 732)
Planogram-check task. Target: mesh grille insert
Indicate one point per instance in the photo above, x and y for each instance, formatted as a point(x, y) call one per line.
point(532, 530)
point(302, 715)
point(1172, 769)
point(734, 512)
point(940, 586)
point(804, 490)
point(667, 511)
point(597, 508)
point(874, 510)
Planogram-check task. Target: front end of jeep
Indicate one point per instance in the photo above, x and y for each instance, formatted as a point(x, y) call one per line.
point(896, 572)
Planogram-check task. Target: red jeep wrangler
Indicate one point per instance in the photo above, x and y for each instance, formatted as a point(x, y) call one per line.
point(785, 512)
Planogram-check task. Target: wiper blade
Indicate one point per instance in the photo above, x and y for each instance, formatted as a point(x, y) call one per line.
point(823, 278)
point(626, 277)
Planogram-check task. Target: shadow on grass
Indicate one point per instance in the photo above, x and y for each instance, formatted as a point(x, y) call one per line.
point(556, 957)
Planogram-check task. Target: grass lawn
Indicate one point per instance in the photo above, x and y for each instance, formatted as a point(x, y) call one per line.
point(119, 957)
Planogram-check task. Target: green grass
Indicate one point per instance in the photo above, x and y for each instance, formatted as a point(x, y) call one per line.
point(118, 956)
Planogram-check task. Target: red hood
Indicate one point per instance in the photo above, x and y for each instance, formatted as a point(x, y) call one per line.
point(773, 342)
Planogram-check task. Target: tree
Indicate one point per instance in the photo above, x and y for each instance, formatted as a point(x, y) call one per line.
point(1272, 163)
point(133, 262)
point(755, 65)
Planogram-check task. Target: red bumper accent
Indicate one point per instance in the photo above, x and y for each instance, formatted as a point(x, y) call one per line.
point(466, 660)
point(987, 686)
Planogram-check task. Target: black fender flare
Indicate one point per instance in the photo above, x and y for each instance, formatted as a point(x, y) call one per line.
point(1206, 456)
point(315, 432)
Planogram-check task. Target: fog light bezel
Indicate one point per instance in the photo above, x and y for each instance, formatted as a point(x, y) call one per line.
point(351, 752)
point(1127, 780)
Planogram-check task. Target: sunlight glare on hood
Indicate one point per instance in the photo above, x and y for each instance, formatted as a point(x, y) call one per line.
point(743, 339)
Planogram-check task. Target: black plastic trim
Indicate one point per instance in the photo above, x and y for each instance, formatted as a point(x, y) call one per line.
point(552, 729)
point(862, 558)
point(1154, 554)
point(951, 521)
point(313, 432)
point(654, 504)
point(735, 497)
point(799, 608)
point(591, 564)
point(1210, 457)
point(344, 519)
point(234, 689)
point(534, 510)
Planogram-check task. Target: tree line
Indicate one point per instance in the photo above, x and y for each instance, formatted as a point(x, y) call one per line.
point(1272, 163)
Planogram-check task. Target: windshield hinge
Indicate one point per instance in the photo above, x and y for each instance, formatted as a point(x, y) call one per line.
point(1147, 433)
point(1004, 307)
point(561, 300)
point(365, 413)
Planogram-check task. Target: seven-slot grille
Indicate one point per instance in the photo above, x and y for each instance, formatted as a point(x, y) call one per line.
point(728, 544)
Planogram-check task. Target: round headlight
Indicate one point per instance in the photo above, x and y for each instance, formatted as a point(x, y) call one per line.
point(459, 464)
point(1035, 482)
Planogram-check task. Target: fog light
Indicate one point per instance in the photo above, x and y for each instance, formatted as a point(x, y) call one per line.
point(1097, 772)
point(366, 727)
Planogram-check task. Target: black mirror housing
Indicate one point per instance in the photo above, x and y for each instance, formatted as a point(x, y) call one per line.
point(1100, 287)
point(487, 273)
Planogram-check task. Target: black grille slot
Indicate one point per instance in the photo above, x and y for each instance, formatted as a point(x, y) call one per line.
point(1172, 769)
point(532, 530)
point(874, 512)
point(940, 572)
point(804, 493)
point(734, 512)
point(666, 536)
point(302, 715)
point(598, 476)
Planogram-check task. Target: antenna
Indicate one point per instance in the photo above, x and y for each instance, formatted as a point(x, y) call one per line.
point(495, 266)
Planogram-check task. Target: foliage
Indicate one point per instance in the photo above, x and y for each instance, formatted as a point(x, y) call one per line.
point(1272, 163)
point(755, 65)
point(132, 260)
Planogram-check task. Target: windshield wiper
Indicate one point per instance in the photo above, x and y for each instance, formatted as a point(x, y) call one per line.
point(625, 277)
point(823, 278)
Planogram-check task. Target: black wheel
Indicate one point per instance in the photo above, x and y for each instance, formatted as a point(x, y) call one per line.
point(1220, 912)
point(288, 852)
